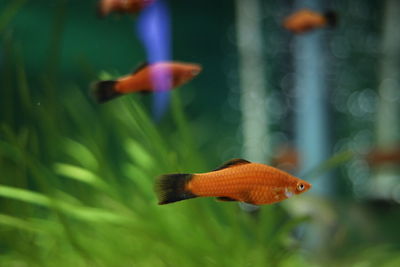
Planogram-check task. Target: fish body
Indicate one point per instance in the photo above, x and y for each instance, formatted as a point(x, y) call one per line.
point(106, 7)
point(143, 79)
point(236, 180)
point(378, 157)
point(306, 20)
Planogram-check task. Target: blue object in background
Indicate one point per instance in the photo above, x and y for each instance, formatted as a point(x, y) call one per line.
point(312, 127)
point(154, 30)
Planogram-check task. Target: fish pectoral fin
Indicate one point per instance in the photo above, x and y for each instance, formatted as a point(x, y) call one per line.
point(246, 198)
point(231, 163)
point(225, 199)
point(140, 67)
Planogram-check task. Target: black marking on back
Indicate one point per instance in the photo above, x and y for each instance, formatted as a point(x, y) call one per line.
point(140, 67)
point(232, 163)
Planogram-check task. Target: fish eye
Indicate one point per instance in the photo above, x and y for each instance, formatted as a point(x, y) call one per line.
point(300, 187)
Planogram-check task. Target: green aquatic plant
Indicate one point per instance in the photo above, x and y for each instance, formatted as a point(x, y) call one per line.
point(76, 188)
point(7, 14)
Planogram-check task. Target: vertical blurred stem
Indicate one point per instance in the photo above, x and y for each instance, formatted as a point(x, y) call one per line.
point(387, 123)
point(8, 13)
point(6, 80)
point(312, 138)
point(252, 80)
point(55, 44)
point(312, 133)
point(51, 75)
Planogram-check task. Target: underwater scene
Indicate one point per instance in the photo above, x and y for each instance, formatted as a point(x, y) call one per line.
point(199, 133)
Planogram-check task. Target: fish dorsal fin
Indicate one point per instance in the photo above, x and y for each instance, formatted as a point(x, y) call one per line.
point(231, 163)
point(225, 199)
point(140, 67)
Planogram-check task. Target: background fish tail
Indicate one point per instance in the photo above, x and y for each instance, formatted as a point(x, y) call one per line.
point(172, 187)
point(100, 10)
point(331, 18)
point(104, 91)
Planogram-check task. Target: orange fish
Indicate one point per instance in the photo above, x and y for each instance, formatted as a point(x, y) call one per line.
point(287, 158)
point(236, 180)
point(305, 20)
point(122, 6)
point(141, 80)
point(377, 157)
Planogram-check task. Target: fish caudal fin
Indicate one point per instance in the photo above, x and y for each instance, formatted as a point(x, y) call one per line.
point(100, 12)
point(172, 187)
point(331, 18)
point(104, 91)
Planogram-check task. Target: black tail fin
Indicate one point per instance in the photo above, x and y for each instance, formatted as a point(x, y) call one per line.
point(172, 187)
point(100, 12)
point(104, 91)
point(331, 18)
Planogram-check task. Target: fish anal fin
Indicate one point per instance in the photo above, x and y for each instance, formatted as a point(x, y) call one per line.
point(231, 163)
point(226, 199)
point(250, 202)
point(140, 67)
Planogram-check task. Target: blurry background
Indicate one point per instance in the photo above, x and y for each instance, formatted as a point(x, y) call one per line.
point(76, 177)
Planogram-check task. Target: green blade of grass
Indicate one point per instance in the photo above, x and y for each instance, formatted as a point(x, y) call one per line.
point(81, 175)
point(79, 212)
point(139, 154)
point(9, 12)
point(335, 161)
point(15, 222)
point(24, 195)
point(81, 154)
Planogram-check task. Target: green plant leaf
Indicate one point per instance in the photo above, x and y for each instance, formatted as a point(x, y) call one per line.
point(81, 175)
point(15, 222)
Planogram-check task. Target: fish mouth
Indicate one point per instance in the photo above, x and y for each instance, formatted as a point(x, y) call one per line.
point(308, 187)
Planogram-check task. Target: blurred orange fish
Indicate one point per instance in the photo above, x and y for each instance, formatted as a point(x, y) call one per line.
point(377, 157)
point(141, 79)
point(305, 20)
point(287, 158)
point(236, 180)
point(122, 6)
